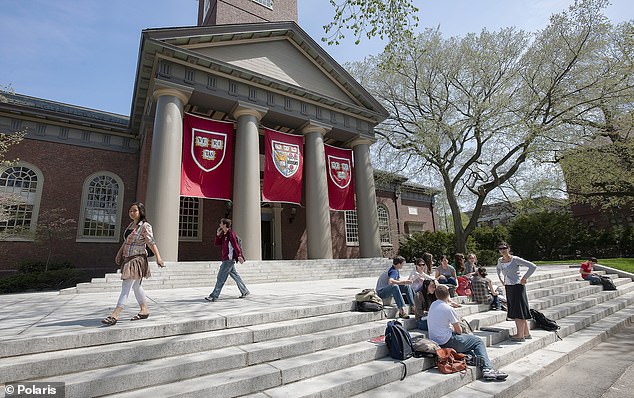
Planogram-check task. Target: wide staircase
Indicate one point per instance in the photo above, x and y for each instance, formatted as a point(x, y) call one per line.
point(193, 274)
point(318, 350)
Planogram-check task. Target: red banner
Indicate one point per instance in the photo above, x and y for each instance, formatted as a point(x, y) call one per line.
point(283, 167)
point(207, 166)
point(339, 168)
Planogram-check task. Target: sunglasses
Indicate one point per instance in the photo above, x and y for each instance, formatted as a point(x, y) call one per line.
point(503, 247)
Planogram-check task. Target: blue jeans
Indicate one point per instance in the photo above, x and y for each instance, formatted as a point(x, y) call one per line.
point(395, 291)
point(421, 324)
point(594, 279)
point(447, 281)
point(464, 343)
point(227, 268)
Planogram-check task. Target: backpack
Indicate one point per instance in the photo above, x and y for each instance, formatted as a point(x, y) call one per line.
point(543, 322)
point(424, 347)
point(464, 286)
point(368, 301)
point(450, 361)
point(239, 240)
point(607, 283)
point(398, 341)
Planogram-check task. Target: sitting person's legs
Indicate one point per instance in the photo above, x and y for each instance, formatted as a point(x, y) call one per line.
point(594, 279)
point(463, 343)
point(395, 292)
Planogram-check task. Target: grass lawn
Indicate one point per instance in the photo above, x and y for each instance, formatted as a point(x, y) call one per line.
point(624, 264)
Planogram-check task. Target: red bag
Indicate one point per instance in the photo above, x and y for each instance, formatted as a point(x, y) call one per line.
point(450, 361)
point(464, 286)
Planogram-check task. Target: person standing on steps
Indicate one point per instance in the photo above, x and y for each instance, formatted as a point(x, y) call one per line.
point(508, 270)
point(444, 328)
point(231, 251)
point(132, 257)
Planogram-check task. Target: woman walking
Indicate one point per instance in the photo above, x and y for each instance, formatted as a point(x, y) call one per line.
point(508, 270)
point(132, 257)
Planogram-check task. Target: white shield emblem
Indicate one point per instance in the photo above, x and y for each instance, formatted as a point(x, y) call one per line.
point(340, 171)
point(208, 148)
point(285, 157)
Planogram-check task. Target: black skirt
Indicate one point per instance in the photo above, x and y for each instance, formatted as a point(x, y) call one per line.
point(517, 302)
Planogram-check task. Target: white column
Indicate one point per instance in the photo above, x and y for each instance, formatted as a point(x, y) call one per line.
point(246, 180)
point(318, 231)
point(164, 171)
point(365, 190)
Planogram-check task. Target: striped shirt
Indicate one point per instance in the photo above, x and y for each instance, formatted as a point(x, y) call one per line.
point(137, 237)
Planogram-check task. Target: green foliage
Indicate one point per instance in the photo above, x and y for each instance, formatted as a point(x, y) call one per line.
point(393, 20)
point(436, 243)
point(544, 235)
point(27, 267)
point(36, 281)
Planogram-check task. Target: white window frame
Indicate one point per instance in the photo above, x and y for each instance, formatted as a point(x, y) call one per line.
point(351, 227)
point(384, 225)
point(266, 3)
point(84, 204)
point(197, 231)
point(32, 198)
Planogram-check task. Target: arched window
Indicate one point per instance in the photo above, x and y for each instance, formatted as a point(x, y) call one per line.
point(189, 224)
point(102, 204)
point(384, 225)
point(20, 194)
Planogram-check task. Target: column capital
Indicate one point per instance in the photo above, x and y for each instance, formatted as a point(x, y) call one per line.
point(360, 141)
point(243, 108)
point(315, 127)
point(162, 87)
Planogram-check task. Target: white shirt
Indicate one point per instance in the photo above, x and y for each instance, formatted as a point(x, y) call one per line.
point(417, 279)
point(440, 319)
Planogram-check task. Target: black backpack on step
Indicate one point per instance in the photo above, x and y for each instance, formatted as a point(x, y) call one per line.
point(398, 341)
point(543, 322)
point(607, 283)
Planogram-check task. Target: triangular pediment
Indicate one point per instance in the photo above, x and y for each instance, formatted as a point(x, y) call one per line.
point(279, 60)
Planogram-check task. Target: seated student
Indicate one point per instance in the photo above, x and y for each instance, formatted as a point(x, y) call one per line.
point(391, 284)
point(587, 274)
point(419, 274)
point(446, 274)
point(444, 328)
point(423, 300)
point(482, 289)
point(459, 264)
point(471, 265)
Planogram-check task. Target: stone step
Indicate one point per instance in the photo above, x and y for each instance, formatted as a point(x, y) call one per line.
point(611, 314)
point(74, 360)
point(290, 362)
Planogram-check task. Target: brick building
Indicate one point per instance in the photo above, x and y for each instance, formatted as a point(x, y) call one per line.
point(255, 74)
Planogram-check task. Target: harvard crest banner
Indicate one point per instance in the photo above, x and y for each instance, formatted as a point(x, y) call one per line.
point(207, 166)
point(283, 167)
point(339, 175)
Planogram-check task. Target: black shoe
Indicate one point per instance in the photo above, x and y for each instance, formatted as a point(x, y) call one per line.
point(243, 295)
point(210, 298)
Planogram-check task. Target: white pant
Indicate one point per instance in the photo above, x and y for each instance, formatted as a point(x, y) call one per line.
point(134, 284)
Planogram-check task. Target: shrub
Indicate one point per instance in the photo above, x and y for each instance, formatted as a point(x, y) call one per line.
point(39, 266)
point(436, 243)
point(36, 281)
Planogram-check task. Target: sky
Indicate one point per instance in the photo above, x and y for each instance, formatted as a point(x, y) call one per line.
point(84, 52)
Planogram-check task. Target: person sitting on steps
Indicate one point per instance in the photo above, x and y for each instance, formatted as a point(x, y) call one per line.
point(423, 300)
point(586, 271)
point(391, 284)
point(444, 328)
point(482, 289)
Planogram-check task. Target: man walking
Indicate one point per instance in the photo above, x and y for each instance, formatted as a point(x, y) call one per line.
point(231, 251)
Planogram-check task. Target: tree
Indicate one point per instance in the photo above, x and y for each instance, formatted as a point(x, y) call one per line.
point(6, 142)
point(473, 110)
point(393, 20)
point(53, 227)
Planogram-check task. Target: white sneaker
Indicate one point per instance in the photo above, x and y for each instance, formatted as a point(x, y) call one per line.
point(492, 374)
